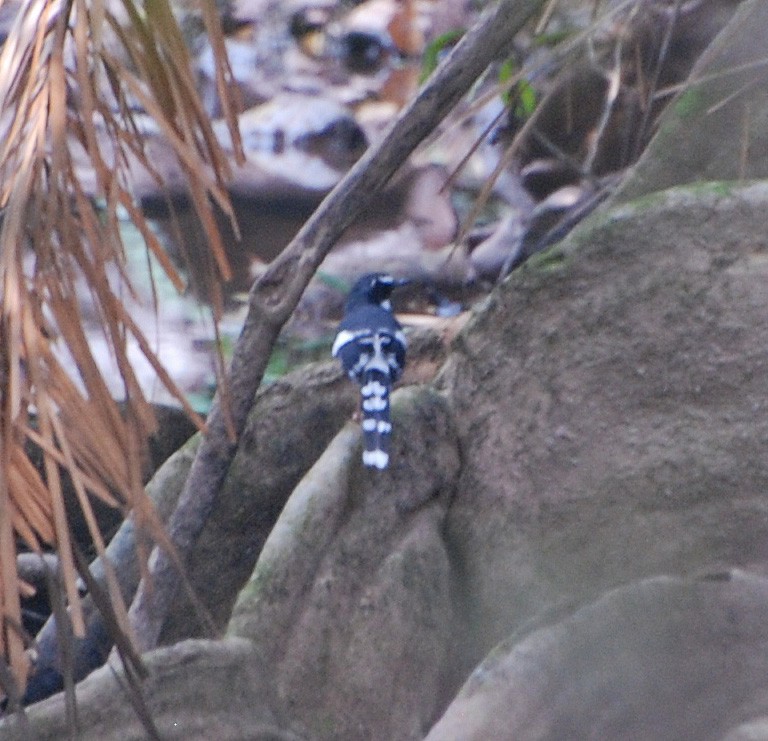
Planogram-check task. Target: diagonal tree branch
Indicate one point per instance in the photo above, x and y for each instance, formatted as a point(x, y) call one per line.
point(274, 297)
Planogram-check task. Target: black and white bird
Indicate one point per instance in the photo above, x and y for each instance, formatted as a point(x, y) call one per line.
point(371, 347)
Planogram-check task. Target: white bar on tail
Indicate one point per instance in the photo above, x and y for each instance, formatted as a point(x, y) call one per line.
point(374, 404)
point(376, 458)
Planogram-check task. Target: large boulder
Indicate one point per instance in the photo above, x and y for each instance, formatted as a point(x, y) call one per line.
point(661, 658)
point(610, 401)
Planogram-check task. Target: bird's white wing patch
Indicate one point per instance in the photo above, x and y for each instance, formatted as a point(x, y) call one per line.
point(345, 337)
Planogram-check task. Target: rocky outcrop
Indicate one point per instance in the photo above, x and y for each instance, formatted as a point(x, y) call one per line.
point(599, 424)
point(351, 602)
point(609, 402)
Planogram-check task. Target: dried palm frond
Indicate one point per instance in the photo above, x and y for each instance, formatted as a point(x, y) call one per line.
point(72, 74)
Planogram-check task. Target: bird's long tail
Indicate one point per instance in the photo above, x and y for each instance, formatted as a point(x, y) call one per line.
point(376, 423)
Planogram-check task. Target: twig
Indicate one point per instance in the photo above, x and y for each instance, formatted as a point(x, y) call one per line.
point(274, 297)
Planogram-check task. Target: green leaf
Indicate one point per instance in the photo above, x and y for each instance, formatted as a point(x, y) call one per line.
point(526, 103)
point(433, 51)
point(521, 96)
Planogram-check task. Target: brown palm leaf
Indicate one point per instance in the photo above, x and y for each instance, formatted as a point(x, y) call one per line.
point(71, 74)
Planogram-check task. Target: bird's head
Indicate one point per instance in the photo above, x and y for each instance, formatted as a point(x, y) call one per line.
point(374, 288)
